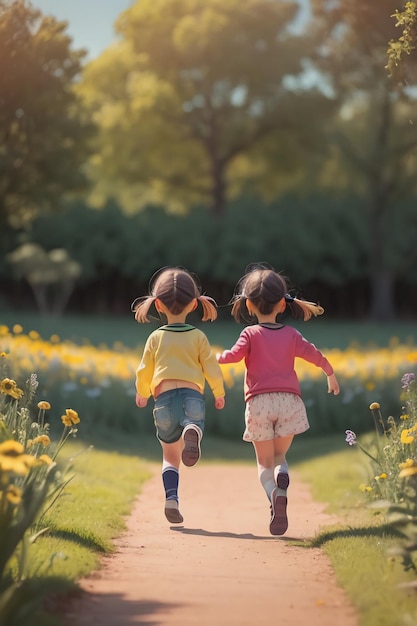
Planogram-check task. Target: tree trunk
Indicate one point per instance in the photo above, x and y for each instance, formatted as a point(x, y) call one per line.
point(218, 189)
point(382, 296)
point(382, 278)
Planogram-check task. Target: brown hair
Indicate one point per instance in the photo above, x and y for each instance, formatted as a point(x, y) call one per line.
point(175, 287)
point(265, 288)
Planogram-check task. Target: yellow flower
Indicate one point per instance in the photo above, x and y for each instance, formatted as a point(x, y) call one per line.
point(406, 437)
point(404, 416)
point(374, 405)
point(13, 494)
point(54, 339)
point(3, 355)
point(72, 416)
point(381, 476)
point(4, 330)
point(11, 448)
point(365, 488)
point(46, 459)
point(13, 459)
point(407, 463)
point(66, 420)
point(408, 471)
point(33, 334)
point(17, 329)
point(44, 405)
point(43, 439)
point(9, 388)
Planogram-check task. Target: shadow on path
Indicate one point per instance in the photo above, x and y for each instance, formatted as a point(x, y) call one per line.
point(229, 535)
point(118, 610)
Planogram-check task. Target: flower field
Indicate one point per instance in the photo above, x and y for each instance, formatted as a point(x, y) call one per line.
point(99, 380)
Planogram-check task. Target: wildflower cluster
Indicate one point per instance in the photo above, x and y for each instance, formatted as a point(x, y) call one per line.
point(29, 474)
point(393, 449)
point(393, 456)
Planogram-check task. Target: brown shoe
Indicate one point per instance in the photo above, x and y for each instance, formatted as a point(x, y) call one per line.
point(172, 513)
point(279, 521)
point(191, 452)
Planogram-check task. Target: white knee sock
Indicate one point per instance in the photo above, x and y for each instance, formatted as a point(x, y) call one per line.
point(266, 476)
point(280, 468)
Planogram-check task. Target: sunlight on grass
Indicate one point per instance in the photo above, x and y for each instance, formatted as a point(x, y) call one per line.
point(359, 546)
point(85, 520)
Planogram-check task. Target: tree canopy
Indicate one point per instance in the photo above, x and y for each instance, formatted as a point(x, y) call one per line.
point(201, 100)
point(43, 136)
point(375, 136)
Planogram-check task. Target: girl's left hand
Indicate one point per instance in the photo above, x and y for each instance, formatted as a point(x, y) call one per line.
point(332, 384)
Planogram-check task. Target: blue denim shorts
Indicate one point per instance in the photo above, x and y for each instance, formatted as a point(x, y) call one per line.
point(176, 408)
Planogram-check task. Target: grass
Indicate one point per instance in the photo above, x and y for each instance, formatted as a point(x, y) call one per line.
point(82, 524)
point(359, 547)
point(91, 513)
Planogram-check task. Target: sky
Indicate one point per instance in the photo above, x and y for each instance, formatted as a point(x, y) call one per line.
point(90, 22)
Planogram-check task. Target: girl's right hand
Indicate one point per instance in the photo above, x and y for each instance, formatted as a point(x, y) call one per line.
point(141, 401)
point(219, 402)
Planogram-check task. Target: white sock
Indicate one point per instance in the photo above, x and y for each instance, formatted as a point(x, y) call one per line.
point(266, 476)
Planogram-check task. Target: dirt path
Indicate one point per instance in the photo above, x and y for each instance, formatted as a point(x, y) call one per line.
point(222, 567)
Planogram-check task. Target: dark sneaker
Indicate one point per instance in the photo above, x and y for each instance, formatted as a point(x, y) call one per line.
point(191, 452)
point(283, 480)
point(172, 513)
point(279, 521)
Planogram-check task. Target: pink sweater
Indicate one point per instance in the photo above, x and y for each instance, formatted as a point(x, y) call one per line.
point(269, 352)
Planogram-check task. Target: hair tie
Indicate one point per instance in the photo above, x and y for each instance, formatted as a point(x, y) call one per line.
point(135, 303)
point(289, 298)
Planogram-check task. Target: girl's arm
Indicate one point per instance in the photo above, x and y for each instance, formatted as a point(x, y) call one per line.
point(332, 384)
point(236, 352)
point(212, 371)
point(144, 374)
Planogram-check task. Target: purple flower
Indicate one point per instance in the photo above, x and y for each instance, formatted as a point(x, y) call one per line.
point(407, 379)
point(350, 437)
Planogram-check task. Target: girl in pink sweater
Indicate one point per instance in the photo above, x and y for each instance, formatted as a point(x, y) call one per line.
point(274, 411)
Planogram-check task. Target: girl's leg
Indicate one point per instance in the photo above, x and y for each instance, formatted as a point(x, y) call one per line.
point(171, 453)
point(281, 447)
point(279, 521)
point(273, 474)
point(265, 455)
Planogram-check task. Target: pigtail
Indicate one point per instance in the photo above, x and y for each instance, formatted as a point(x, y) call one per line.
point(209, 308)
point(141, 307)
point(302, 309)
point(239, 309)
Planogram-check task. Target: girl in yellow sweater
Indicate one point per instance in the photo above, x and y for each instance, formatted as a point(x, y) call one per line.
point(176, 362)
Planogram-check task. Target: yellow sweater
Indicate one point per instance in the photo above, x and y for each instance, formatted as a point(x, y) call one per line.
point(178, 351)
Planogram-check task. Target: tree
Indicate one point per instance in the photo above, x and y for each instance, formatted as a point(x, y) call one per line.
point(201, 98)
point(51, 275)
point(43, 135)
point(375, 140)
